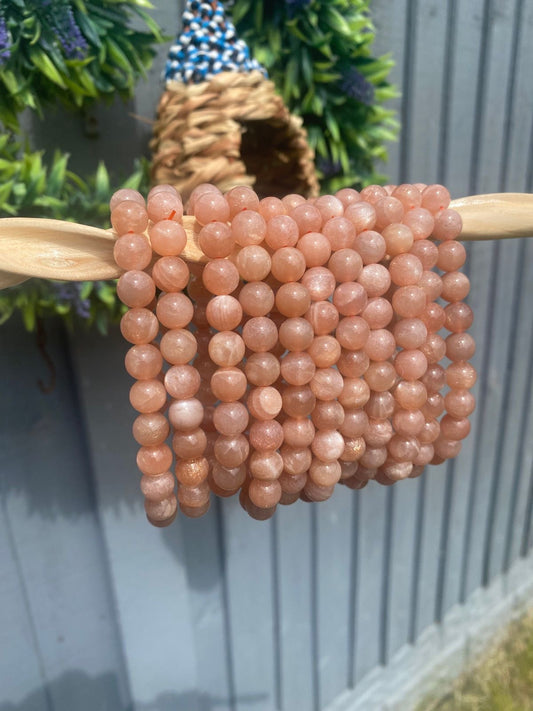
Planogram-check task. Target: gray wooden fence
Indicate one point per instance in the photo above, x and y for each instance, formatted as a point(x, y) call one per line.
point(312, 610)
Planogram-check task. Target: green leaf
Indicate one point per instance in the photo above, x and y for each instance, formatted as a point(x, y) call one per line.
point(102, 182)
point(47, 67)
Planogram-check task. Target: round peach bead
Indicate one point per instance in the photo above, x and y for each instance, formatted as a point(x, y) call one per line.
point(434, 317)
point(324, 473)
point(143, 362)
point(132, 251)
point(178, 346)
point(148, 396)
point(260, 334)
point(395, 471)
point(316, 249)
point(271, 207)
point(461, 375)
point(446, 448)
point(373, 193)
point(220, 276)
point(371, 246)
point(216, 240)
point(435, 198)
point(373, 457)
point(297, 368)
point(350, 298)
point(434, 378)
point(408, 195)
point(380, 376)
point(266, 435)
point(189, 445)
point(362, 215)
point(459, 403)
point(389, 210)
point(323, 318)
point(170, 274)
point(256, 298)
point(454, 428)
point(410, 394)
point(378, 312)
point(264, 403)
point(426, 251)
point(411, 364)
point(158, 487)
point(378, 433)
point(327, 415)
point(288, 264)
point(329, 207)
point(340, 232)
point(282, 231)
point(161, 513)
point(264, 494)
point(241, 197)
point(307, 217)
point(224, 313)
point(352, 332)
point(355, 393)
point(434, 348)
point(375, 278)
point(192, 472)
point(298, 401)
point(253, 263)
point(124, 195)
point(380, 405)
point(231, 418)
point(139, 326)
point(129, 216)
point(455, 286)
point(228, 384)
point(211, 207)
point(186, 415)
point(174, 310)
point(262, 369)
point(314, 493)
point(136, 289)
point(348, 196)
point(409, 301)
point(154, 460)
point(459, 317)
point(448, 225)
point(398, 238)
point(403, 449)
point(168, 238)
point(293, 299)
point(451, 256)
point(421, 223)
point(193, 497)
point(151, 428)
point(319, 282)
point(298, 432)
point(326, 384)
point(163, 188)
point(410, 333)
point(229, 478)
point(431, 284)
point(355, 423)
point(327, 445)
point(408, 423)
point(164, 206)
point(296, 462)
point(226, 349)
point(381, 344)
point(345, 265)
point(405, 270)
point(231, 451)
point(199, 190)
point(182, 381)
point(296, 334)
point(265, 466)
point(325, 351)
point(352, 364)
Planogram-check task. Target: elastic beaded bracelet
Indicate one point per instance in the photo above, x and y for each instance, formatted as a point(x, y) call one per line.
point(304, 352)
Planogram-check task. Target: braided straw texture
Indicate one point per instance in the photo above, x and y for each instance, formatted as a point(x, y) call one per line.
point(232, 130)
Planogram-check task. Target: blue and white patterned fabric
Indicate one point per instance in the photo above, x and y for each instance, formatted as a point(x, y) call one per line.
point(207, 45)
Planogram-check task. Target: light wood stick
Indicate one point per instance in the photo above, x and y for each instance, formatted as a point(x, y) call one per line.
point(52, 249)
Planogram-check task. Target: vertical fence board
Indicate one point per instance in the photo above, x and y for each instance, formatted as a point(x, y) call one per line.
point(335, 549)
point(147, 567)
point(49, 508)
point(251, 607)
point(368, 622)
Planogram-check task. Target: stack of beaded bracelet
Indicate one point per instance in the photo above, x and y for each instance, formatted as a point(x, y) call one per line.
point(303, 353)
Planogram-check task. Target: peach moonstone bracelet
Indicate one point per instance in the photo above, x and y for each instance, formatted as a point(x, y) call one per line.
point(322, 342)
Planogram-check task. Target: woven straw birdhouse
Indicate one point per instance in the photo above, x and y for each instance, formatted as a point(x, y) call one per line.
point(220, 119)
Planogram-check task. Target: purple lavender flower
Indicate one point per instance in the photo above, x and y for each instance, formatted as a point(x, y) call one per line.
point(69, 293)
point(357, 87)
point(5, 43)
point(65, 27)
